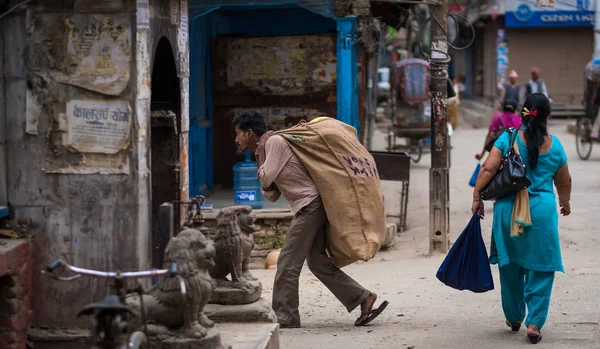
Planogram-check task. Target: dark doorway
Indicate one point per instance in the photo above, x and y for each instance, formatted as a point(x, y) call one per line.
point(166, 123)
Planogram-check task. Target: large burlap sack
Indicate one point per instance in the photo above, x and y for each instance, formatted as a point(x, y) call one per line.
point(347, 179)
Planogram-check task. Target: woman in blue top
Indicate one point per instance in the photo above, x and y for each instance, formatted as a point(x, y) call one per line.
point(527, 263)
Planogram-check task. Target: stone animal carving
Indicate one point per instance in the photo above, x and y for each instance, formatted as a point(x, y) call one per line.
point(234, 244)
point(164, 303)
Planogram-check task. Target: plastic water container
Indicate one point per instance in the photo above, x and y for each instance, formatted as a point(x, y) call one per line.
point(246, 185)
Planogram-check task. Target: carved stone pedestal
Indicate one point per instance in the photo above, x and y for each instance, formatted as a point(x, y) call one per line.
point(235, 296)
point(170, 340)
point(259, 311)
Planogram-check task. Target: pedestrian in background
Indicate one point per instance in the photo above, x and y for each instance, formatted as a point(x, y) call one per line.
point(536, 84)
point(511, 91)
point(528, 261)
point(454, 105)
point(501, 121)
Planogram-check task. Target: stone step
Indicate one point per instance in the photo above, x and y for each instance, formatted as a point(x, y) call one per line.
point(572, 127)
point(233, 336)
point(390, 239)
point(250, 335)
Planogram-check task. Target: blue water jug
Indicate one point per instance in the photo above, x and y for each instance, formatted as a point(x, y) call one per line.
point(246, 185)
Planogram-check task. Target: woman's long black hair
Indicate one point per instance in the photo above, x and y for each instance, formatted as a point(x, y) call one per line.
point(534, 114)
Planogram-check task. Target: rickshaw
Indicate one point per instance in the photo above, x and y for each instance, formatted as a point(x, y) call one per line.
point(410, 107)
point(583, 136)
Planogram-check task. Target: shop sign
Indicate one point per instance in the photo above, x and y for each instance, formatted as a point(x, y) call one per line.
point(566, 13)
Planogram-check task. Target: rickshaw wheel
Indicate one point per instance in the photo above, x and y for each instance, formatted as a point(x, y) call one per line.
point(583, 138)
point(416, 151)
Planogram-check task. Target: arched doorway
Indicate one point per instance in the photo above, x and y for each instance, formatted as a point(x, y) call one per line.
point(166, 123)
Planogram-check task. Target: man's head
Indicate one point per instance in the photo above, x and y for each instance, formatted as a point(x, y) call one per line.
point(535, 73)
point(513, 76)
point(249, 127)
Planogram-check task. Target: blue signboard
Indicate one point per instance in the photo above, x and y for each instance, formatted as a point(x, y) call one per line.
point(566, 13)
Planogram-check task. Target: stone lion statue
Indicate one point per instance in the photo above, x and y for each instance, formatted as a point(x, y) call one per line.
point(164, 303)
point(234, 243)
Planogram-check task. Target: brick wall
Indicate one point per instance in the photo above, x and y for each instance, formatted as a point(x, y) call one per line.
point(16, 290)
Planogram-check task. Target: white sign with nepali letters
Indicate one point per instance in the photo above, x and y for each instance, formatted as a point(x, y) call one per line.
point(98, 126)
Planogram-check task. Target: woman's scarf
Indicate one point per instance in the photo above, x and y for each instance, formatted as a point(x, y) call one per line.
point(521, 216)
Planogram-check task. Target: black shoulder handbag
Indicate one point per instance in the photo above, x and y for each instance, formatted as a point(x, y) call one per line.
point(511, 176)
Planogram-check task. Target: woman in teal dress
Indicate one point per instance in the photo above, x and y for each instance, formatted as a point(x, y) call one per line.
point(527, 262)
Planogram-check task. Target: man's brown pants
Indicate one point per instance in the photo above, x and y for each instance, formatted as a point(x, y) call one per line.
point(306, 241)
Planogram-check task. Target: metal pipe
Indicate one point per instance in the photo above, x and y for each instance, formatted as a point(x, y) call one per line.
point(597, 30)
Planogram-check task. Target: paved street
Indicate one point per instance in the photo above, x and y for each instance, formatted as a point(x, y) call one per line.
point(423, 313)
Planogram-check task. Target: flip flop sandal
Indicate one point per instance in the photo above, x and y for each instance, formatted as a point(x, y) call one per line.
point(535, 338)
point(372, 314)
point(514, 326)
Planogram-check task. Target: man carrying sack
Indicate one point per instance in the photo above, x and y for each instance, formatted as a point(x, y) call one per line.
point(283, 170)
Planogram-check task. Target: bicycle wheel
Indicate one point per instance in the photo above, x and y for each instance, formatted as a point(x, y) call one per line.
point(137, 340)
point(583, 138)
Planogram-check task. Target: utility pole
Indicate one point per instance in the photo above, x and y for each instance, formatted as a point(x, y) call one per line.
point(439, 193)
point(597, 30)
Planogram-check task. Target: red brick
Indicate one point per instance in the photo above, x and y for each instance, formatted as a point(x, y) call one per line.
point(15, 295)
point(13, 336)
point(10, 323)
point(13, 340)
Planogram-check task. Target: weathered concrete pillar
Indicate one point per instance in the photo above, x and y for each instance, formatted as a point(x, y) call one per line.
point(77, 79)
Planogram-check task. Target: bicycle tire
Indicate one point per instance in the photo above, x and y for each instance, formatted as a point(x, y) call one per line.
point(583, 136)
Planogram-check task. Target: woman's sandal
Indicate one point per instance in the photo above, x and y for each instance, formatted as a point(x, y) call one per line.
point(514, 326)
point(535, 338)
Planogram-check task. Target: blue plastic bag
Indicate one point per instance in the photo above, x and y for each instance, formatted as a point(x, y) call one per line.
point(467, 266)
point(473, 179)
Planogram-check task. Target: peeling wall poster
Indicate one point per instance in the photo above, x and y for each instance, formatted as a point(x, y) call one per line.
point(90, 51)
point(98, 126)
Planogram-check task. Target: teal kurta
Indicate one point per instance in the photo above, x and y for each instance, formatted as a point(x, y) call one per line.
point(538, 248)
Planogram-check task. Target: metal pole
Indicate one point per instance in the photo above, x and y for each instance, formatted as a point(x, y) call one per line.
point(439, 194)
point(597, 30)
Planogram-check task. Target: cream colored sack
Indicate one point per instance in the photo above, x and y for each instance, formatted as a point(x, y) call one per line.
point(348, 182)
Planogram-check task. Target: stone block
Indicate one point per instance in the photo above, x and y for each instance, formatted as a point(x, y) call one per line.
point(250, 336)
point(270, 222)
point(390, 239)
point(211, 341)
point(572, 127)
point(236, 296)
point(259, 311)
point(59, 338)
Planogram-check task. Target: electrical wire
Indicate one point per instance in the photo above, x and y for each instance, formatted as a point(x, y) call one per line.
point(14, 8)
point(440, 64)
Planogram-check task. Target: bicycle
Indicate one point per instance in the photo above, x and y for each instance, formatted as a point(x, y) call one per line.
point(111, 317)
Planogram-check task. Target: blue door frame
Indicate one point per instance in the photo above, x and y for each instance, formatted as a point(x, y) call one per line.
point(208, 23)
